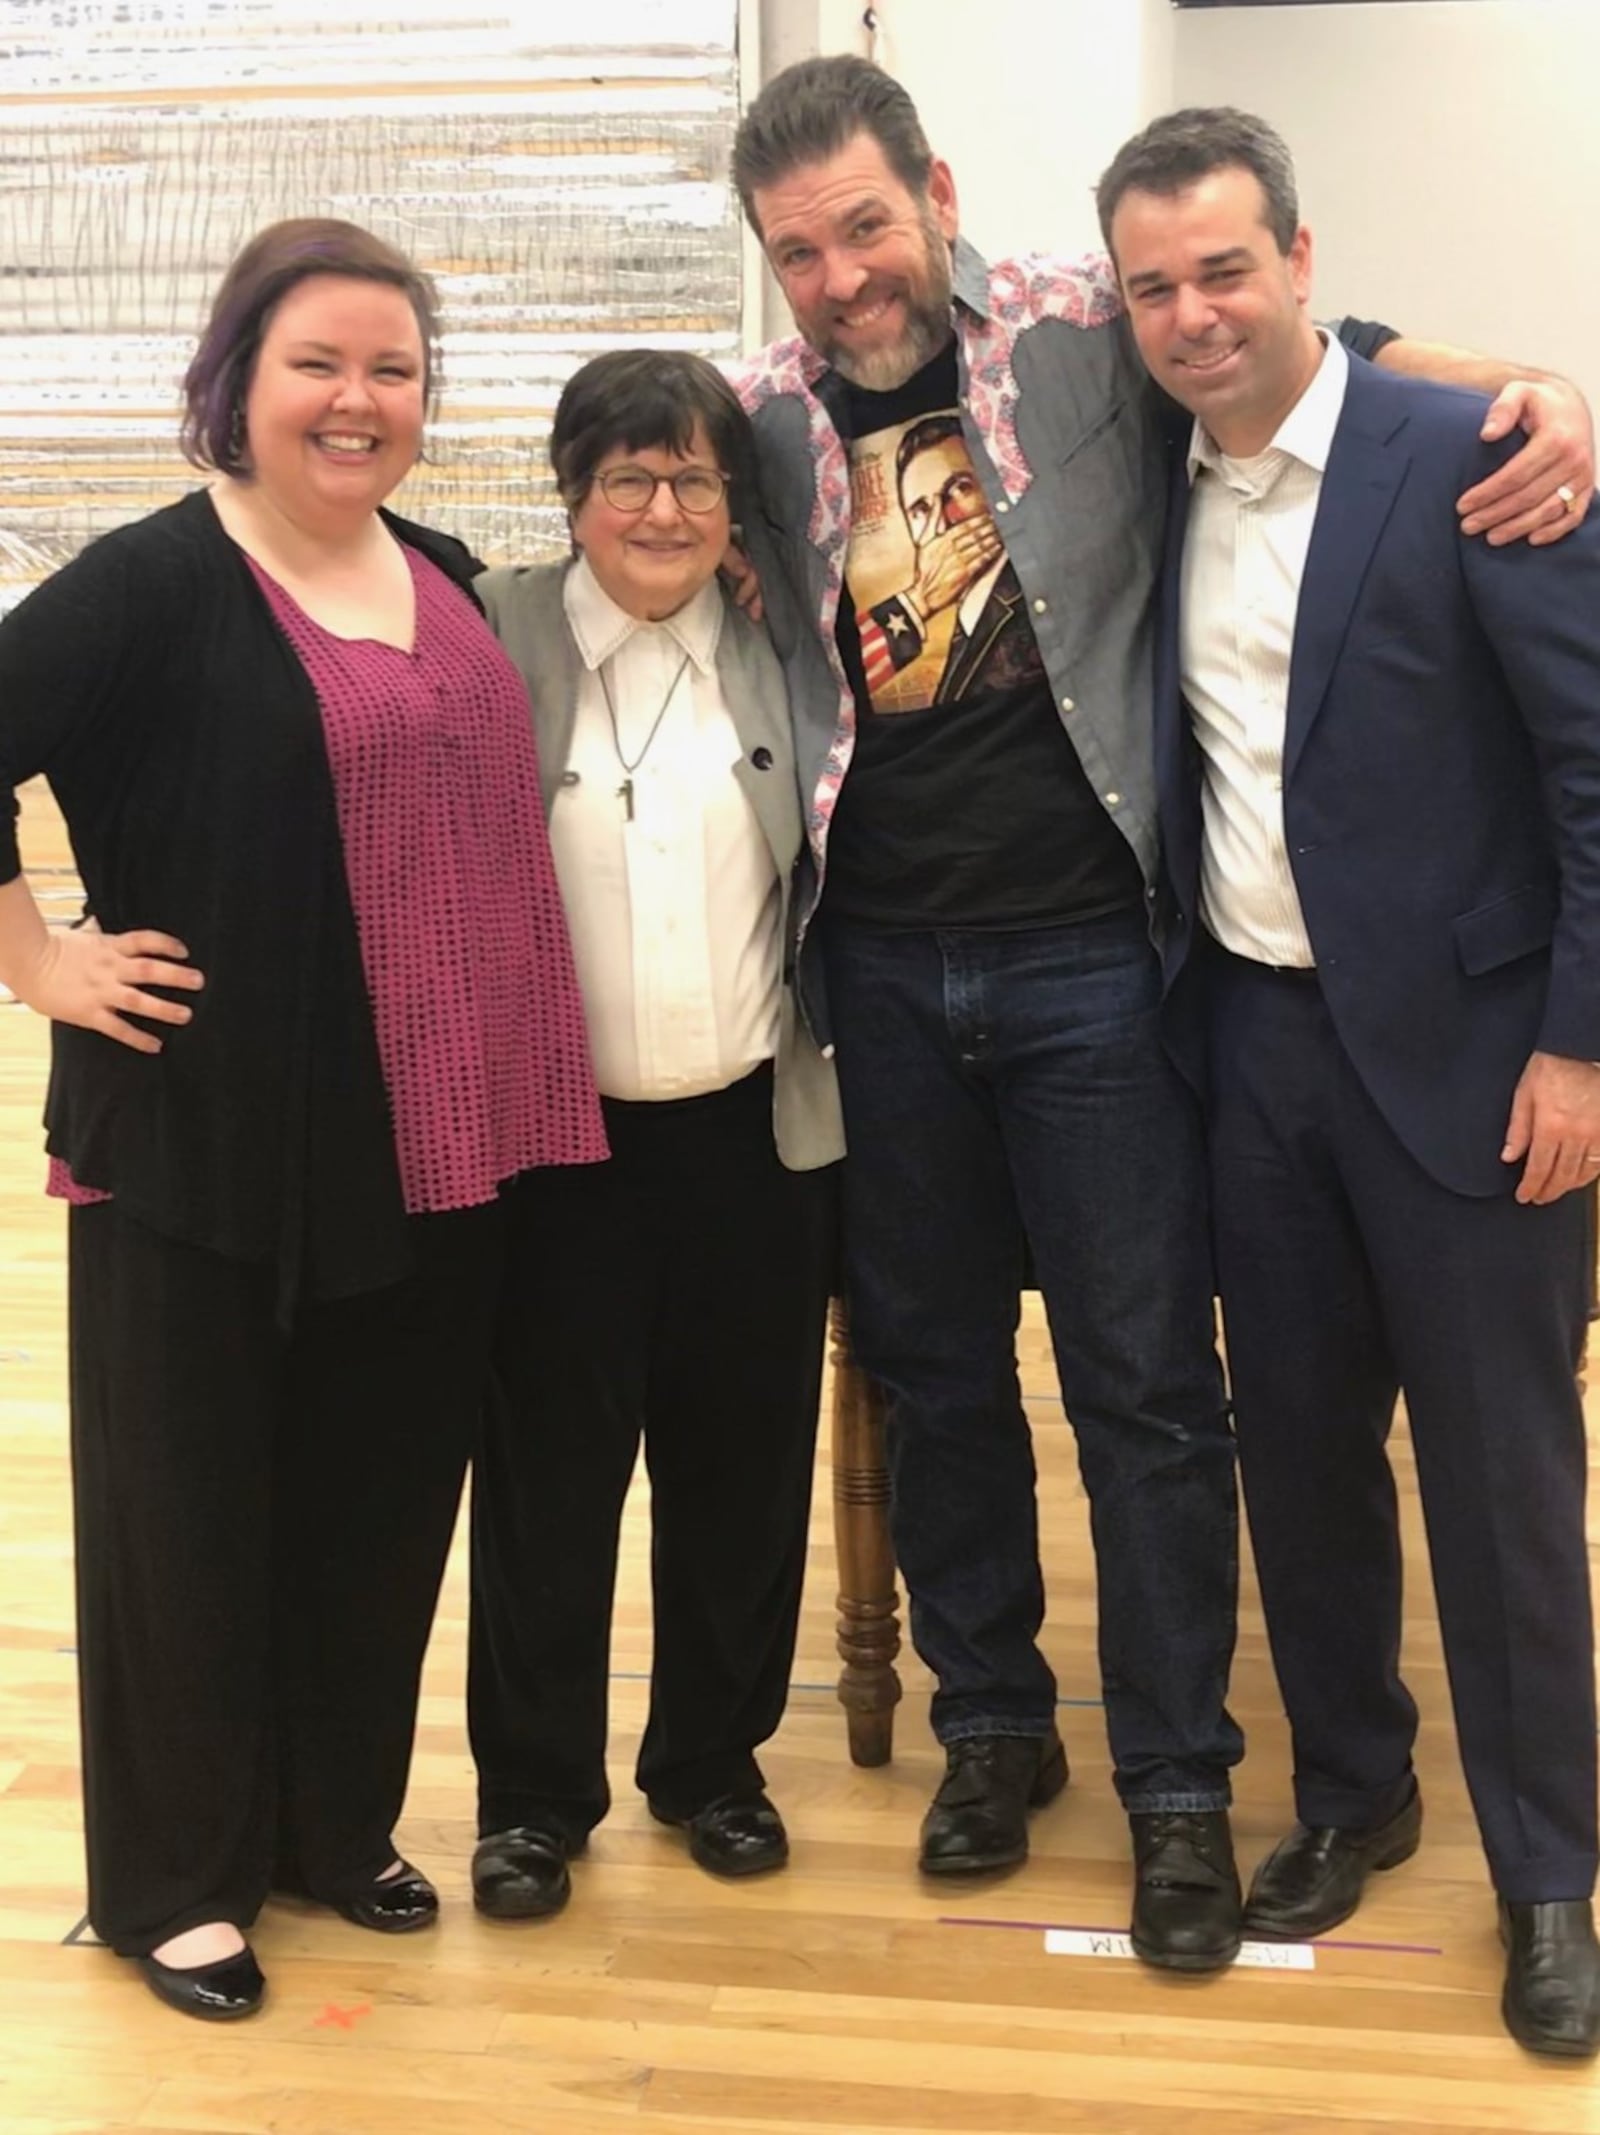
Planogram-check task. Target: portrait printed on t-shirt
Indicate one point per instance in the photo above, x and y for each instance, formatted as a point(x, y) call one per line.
point(939, 608)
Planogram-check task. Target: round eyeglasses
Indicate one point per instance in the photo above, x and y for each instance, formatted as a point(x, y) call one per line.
point(633, 489)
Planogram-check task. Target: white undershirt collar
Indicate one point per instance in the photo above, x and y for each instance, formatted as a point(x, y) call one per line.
point(601, 628)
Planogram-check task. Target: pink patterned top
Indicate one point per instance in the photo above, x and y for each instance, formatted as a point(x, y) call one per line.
point(479, 1021)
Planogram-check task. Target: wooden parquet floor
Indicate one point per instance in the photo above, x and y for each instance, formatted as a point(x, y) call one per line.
point(840, 1996)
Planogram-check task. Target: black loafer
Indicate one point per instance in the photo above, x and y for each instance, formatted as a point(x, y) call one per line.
point(1314, 1879)
point(979, 1817)
point(220, 1993)
point(1186, 1901)
point(521, 1874)
point(1551, 2002)
point(738, 1835)
point(392, 1905)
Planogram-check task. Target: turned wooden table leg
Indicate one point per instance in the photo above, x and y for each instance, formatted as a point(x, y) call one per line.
point(869, 1628)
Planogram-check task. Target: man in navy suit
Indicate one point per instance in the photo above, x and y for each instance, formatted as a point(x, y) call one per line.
point(1378, 755)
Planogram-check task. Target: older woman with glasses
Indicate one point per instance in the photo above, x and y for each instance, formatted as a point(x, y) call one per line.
point(677, 1293)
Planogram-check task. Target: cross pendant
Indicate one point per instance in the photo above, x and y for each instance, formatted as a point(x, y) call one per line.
point(625, 795)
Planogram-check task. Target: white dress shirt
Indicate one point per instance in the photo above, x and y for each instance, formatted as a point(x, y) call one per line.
point(674, 913)
point(1244, 556)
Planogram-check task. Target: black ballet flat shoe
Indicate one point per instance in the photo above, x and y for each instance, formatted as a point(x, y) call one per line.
point(392, 1905)
point(737, 1835)
point(521, 1873)
point(219, 1993)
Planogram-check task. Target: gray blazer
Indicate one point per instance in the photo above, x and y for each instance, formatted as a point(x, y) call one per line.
point(524, 608)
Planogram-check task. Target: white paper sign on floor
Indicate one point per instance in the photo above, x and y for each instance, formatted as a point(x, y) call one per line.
point(1099, 1942)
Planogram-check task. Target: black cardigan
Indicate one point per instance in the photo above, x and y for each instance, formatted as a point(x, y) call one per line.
point(183, 740)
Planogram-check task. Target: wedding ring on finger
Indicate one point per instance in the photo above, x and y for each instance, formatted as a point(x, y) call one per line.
point(1569, 503)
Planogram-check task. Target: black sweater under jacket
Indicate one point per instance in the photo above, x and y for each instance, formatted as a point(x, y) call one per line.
point(183, 740)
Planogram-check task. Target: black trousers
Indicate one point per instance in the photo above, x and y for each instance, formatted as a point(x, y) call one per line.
point(677, 1293)
point(262, 1524)
point(1348, 1273)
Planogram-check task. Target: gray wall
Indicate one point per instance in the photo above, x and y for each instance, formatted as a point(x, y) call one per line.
point(1449, 157)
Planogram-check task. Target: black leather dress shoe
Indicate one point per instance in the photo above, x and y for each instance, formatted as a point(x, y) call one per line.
point(979, 1817)
point(1551, 2002)
point(521, 1874)
point(1186, 1900)
point(392, 1905)
point(738, 1835)
point(1314, 1879)
point(231, 1987)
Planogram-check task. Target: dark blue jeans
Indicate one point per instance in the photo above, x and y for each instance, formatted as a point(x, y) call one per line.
point(1007, 1085)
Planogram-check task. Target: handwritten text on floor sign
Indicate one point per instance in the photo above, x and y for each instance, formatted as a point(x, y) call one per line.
point(1098, 1942)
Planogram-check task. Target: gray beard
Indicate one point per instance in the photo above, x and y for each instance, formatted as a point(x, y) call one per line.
point(884, 370)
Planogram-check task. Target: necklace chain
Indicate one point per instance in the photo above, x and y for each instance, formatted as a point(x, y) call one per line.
point(625, 790)
point(655, 724)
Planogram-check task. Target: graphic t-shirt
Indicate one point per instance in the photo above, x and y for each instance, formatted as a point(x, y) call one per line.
point(965, 803)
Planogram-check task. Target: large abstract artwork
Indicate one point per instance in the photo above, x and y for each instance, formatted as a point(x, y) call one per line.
point(560, 166)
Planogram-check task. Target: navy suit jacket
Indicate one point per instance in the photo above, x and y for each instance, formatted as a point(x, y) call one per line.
point(1441, 780)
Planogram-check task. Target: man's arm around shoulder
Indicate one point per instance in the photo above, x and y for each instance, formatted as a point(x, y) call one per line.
point(1541, 492)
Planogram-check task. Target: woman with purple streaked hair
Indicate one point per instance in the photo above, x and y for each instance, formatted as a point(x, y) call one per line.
point(324, 1013)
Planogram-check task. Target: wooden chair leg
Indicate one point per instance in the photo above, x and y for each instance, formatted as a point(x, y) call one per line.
point(1591, 1207)
point(869, 1628)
